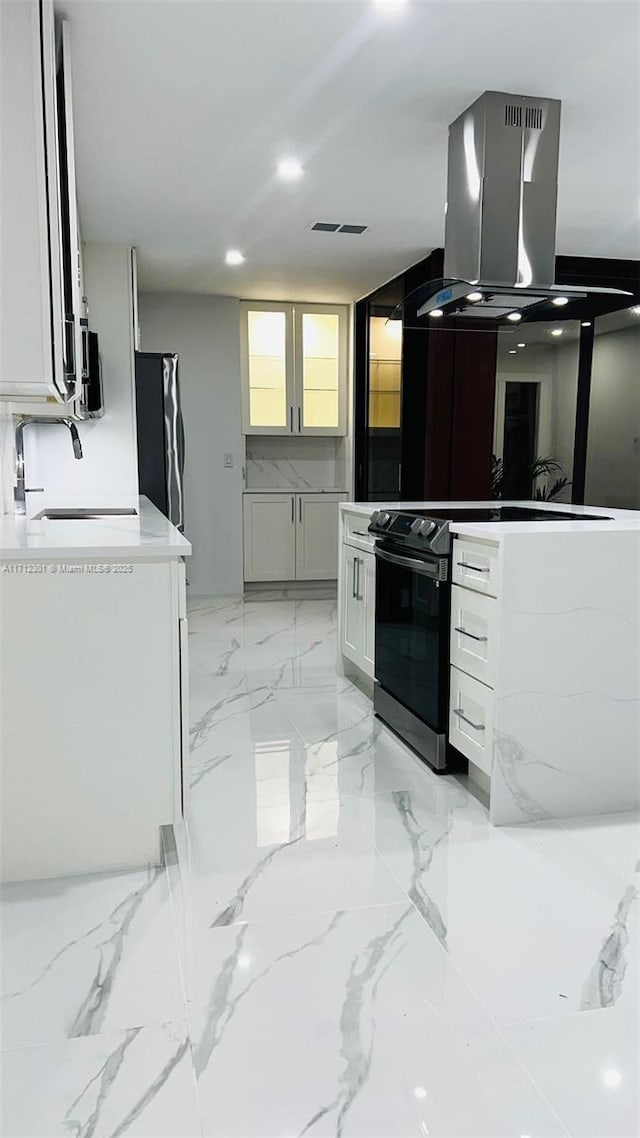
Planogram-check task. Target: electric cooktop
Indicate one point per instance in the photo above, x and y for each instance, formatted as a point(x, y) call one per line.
point(502, 514)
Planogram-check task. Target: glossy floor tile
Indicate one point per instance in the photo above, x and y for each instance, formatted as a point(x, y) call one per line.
point(344, 947)
point(138, 1082)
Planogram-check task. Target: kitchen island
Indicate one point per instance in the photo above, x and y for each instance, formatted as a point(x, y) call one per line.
point(544, 653)
point(93, 690)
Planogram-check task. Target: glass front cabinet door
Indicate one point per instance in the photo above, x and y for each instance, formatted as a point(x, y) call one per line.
point(294, 368)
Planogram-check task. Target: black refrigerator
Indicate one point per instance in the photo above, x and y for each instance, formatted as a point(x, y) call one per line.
point(160, 433)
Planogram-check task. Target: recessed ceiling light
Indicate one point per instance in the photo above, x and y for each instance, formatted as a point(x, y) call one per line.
point(522, 345)
point(559, 301)
point(586, 323)
point(515, 316)
point(234, 257)
point(474, 296)
point(512, 352)
point(556, 331)
point(436, 312)
point(290, 170)
point(635, 309)
point(391, 7)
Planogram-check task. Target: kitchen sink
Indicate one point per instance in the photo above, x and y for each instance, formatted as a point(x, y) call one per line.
point(83, 515)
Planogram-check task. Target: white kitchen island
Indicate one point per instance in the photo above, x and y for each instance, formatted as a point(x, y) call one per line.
point(552, 682)
point(93, 691)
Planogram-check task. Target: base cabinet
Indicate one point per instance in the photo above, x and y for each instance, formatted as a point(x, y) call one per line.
point(291, 537)
point(93, 716)
point(358, 593)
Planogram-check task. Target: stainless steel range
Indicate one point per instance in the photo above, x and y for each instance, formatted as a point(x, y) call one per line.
point(413, 605)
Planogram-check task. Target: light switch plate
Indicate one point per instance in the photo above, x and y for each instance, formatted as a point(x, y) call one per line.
point(228, 459)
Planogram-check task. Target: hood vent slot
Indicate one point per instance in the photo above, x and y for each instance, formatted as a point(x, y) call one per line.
point(512, 115)
point(533, 118)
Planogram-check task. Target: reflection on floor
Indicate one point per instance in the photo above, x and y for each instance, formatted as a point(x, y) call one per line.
point(346, 947)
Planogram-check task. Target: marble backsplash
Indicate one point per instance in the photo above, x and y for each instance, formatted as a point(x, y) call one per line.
point(283, 463)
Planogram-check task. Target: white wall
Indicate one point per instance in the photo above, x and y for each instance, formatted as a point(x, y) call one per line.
point(107, 475)
point(613, 454)
point(204, 331)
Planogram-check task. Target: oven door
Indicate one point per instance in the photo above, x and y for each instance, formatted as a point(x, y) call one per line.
point(412, 633)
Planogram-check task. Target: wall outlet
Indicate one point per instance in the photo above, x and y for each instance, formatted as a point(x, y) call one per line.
point(228, 458)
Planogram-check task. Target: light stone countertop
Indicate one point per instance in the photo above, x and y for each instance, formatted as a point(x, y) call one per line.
point(620, 519)
point(145, 536)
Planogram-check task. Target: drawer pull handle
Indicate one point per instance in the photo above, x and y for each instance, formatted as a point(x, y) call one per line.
point(461, 715)
point(476, 568)
point(472, 635)
point(360, 533)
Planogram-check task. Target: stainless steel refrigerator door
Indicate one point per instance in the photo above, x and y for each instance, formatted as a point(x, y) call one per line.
point(174, 441)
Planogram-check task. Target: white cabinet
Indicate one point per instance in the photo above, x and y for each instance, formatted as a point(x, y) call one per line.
point(476, 565)
point(40, 305)
point(294, 368)
point(269, 537)
point(89, 780)
point(317, 537)
point(474, 633)
point(357, 599)
point(291, 537)
point(471, 718)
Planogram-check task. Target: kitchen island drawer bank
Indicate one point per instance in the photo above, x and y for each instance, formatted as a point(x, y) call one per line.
point(542, 656)
point(93, 696)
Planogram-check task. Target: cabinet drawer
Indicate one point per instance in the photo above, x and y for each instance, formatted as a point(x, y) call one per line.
point(474, 634)
point(471, 719)
point(477, 566)
point(355, 531)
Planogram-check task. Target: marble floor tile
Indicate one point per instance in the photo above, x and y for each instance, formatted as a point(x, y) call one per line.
point(353, 1024)
point(138, 1083)
point(482, 892)
point(83, 955)
point(613, 838)
point(587, 1068)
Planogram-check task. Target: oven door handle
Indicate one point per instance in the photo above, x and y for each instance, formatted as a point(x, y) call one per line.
point(416, 564)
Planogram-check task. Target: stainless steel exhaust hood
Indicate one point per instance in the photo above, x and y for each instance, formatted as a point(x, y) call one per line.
point(502, 188)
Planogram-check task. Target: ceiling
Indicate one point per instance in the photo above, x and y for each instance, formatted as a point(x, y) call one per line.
point(183, 109)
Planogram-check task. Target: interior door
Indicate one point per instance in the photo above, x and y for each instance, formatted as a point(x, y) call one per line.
point(269, 537)
point(317, 536)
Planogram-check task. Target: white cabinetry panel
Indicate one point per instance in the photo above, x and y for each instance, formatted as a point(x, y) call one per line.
point(476, 564)
point(471, 719)
point(269, 537)
point(317, 537)
point(474, 633)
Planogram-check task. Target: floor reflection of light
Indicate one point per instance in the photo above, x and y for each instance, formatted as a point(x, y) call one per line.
point(420, 1092)
point(273, 813)
point(244, 961)
point(611, 1078)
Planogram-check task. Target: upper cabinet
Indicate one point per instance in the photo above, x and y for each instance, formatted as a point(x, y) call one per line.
point(294, 368)
point(41, 302)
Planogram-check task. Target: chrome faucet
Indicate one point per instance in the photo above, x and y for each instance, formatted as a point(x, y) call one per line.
point(20, 490)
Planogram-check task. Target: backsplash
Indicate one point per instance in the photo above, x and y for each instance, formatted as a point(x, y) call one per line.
point(283, 463)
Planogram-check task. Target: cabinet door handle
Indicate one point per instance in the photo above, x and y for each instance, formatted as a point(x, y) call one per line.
point(360, 595)
point(476, 568)
point(461, 715)
point(299, 419)
point(300, 508)
point(291, 420)
point(471, 635)
point(293, 510)
point(360, 533)
point(354, 588)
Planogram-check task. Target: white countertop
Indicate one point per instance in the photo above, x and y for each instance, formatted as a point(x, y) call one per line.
point(294, 490)
point(147, 535)
point(620, 519)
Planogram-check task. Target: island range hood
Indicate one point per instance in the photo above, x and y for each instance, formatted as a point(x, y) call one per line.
point(502, 189)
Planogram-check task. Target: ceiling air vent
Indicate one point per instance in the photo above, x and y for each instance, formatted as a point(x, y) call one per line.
point(513, 114)
point(337, 227)
point(533, 118)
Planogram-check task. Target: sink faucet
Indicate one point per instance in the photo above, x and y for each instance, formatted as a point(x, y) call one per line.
point(20, 489)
